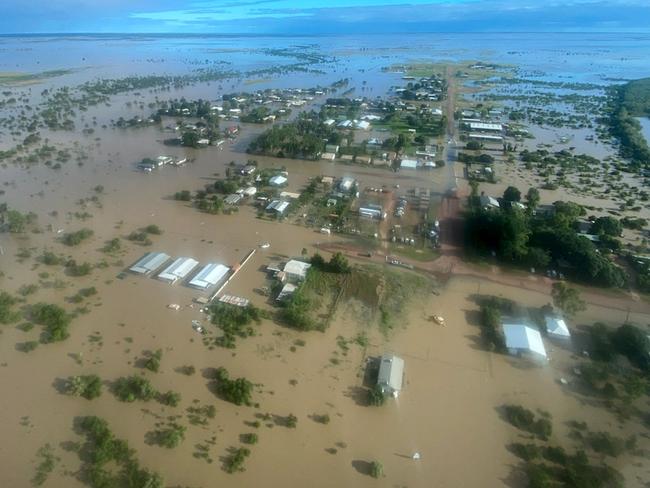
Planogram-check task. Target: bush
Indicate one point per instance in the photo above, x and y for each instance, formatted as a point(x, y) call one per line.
point(170, 437)
point(491, 328)
point(376, 469)
point(76, 238)
point(7, 314)
point(524, 419)
point(170, 398)
point(237, 391)
point(183, 196)
point(75, 269)
point(86, 386)
point(235, 462)
point(153, 361)
point(153, 229)
point(527, 452)
point(51, 259)
point(234, 321)
point(132, 388)
point(250, 438)
point(55, 320)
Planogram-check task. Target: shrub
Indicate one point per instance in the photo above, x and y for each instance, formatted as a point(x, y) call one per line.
point(76, 238)
point(7, 314)
point(153, 361)
point(235, 462)
point(55, 320)
point(250, 438)
point(132, 388)
point(376, 469)
point(524, 419)
point(153, 229)
point(86, 386)
point(237, 391)
point(170, 398)
point(170, 437)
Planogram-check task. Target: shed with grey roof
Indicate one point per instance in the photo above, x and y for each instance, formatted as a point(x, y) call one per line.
point(149, 263)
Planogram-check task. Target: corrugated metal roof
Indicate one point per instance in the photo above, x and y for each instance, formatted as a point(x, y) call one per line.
point(520, 336)
point(150, 262)
point(557, 327)
point(178, 270)
point(391, 372)
point(210, 275)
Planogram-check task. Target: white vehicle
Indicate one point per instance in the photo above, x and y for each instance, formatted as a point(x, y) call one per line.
point(196, 325)
point(265, 245)
point(325, 230)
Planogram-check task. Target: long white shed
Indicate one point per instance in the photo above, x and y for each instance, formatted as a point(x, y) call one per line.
point(209, 276)
point(178, 270)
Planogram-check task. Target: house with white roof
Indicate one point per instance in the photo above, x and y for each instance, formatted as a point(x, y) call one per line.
point(522, 339)
point(391, 374)
point(556, 328)
point(278, 180)
point(296, 270)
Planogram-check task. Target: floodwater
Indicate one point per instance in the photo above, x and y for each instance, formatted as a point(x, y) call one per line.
point(645, 127)
point(448, 411)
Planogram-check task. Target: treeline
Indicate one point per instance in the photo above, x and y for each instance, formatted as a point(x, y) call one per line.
point(629, 101)
point(527, 238)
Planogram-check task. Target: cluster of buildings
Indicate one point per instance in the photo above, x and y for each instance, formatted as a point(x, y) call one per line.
point(430, 89)
point(148, 165)
point(524, 339)
point(290, 275)
point(481, 129)
point(182, 269)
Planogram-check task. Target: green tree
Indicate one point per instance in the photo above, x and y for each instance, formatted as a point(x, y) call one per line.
point(512, 194)
point(567, 299)
point(532, 199)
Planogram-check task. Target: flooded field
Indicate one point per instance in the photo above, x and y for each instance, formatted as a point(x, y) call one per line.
point(450, 410)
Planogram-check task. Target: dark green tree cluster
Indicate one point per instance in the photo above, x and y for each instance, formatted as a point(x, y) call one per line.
point(86, 386)
point(237, 391)
point(301, 139)
point(234, 462)
point(54, 318)
point(234, 322)
point(626, 340)
point(152, 363)
point(338, 263)
point(524, 419)
point(77, 237)
point(491, 328)
point(169, 436)
point(627, 102)
point(101, 449)
point(132, 388)
point(7, 314)
point(522, 238)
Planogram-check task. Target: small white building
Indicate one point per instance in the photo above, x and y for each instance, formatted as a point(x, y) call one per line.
point(178, 270)
point(296, 270)
point(556, 328)
point(391, 374)
point(482, 126)
point(278, 180)
point(149, 263)
point(327, 156)
point(409, 164)
point(523, 339)
point(277, 206)
point(209, 276)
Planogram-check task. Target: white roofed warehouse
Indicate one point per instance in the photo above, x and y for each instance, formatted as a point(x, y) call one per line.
point(149, 263)
point(209, 276)
point(178, 270)
point(391, 374)
point(525, 340)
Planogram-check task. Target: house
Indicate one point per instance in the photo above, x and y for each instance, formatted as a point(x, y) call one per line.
point(250, 191)
point(327, 180)
point(488, 202)
point(289, 195)
point(278, 180)
point(328, 156)
point(178, 270)
point(287, 290)
point(556, 328)
point(391, 374)
point(277, 206)
point(149, 263)
point(329, 122)
point(332, 148)
point(203, 142)
point(296, 270)
point(209, 276)
point(364, 159)
point(485, 137)
point(522, 339)
point(362, 124)
point(409, 164)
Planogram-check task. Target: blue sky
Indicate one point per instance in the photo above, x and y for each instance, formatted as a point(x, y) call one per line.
point(323, 17)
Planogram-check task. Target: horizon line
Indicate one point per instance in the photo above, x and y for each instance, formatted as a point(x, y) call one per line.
point(295, 34)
